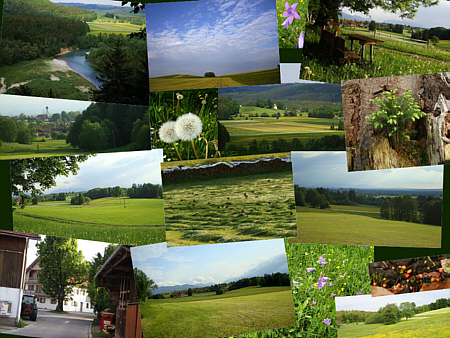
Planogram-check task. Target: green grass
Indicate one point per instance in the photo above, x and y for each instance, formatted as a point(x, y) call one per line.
point(107, 211)
point(344, 225)
point(216, 210)
point(112, 234)
point(141, 222)
point(177, 82)
point(218, 316)
point(113, 28)
point(38, 74)
point(427, 324)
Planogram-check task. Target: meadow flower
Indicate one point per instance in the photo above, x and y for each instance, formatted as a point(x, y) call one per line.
point(310, 269)
point(290, 13)
point(327, 321)
point(167, 132)
point(359, 293)
point(294, 283)
point(179, 96)
point(322, 261)
point(332, 295)
point(285, 24)
point(301, 39)
point(188, 127)
point(313, 303)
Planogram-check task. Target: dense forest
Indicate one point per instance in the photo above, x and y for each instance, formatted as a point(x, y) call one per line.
point(423, 209)
point(107, 125)
point(146, 190)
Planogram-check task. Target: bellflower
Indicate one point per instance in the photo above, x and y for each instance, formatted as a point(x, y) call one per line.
point(301, 40)
point(290, 14)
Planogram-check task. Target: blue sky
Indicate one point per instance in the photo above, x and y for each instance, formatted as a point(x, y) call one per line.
point(113, 169)
point(329, 170)
point(13, 105)
point(369, 303)
point(433, 16)
point(220, 36)
point(209, 264)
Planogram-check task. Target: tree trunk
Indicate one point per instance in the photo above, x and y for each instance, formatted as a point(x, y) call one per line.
point(61, 296)
point(369, 148)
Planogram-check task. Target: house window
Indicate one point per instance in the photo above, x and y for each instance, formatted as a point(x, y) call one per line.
point(84, 293)
point(42, 300)
point(78, 292)
point(74, 303)
point(66, 302)
point(52, 301)
point(87, 305)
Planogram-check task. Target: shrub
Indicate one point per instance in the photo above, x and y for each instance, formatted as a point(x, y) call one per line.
point(374, 318)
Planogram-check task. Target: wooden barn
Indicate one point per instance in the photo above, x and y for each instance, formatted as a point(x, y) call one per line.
point(13, 260)
point(117, 276)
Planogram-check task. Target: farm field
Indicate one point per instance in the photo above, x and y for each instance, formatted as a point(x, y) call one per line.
point(42, 149)
point(217, 210)
point(208, 315)
point(242, 132)
point(42, 74)
point(178, 82)
point(140, 222)
point(361, 225)
point(113, 28)
point(431, 323)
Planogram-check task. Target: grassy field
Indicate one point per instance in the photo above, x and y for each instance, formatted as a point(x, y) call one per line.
point(361, 225)
point(37, 74)
point(178, 82)
point(206, 315)
point(42, 149)
point(113, 28)
point(140, 222)
point(213, 211)
point(391, 58)
point(428, 324)
point(242, 131)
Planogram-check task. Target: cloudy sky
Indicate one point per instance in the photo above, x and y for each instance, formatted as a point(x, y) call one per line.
point(113, 169)
point(210, 264)
point(13, 105)
point(426, 17)
point(329, 170)
point(89, 249)
point(220, 36)
point(369, 303)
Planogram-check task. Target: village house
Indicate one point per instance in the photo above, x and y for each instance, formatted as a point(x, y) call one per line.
point(79, 299)
point(13, 257)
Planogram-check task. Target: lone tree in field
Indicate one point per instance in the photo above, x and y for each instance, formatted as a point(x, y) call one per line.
point(30, 176)
point(62, 267)
point(324, 12)
point(210, 74)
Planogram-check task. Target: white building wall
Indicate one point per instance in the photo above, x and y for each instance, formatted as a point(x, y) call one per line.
point(78, 302)
point(12, 295)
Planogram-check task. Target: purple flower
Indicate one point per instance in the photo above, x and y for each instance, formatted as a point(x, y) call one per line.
point(301, 39)
point(322, 261)
point(327, 321)
point(359, 293)
point(310, 269)
point(332, 295)
point(321, 282)
point(313, 303)
point(285, 24)
point(330, 284)
point(294, 283)
point(290, 14)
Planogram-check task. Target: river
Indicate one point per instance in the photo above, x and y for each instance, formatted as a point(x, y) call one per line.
point(76, 60)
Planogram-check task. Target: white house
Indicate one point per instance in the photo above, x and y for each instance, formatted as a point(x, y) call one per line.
point(78, 300)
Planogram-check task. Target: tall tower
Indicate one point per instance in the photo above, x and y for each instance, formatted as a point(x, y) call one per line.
point(46, 111)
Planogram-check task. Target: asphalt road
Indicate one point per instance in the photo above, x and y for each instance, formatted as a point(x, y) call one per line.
point(54, 325)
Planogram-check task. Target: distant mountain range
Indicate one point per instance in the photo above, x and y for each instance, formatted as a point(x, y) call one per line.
point(172, 288)
point(366, 18)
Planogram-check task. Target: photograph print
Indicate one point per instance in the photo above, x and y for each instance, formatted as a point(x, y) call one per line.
point(212, 44)
point(383, 207)
point(113, 197)
point(214, 290)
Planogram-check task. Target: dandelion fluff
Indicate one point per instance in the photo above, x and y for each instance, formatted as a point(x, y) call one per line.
point(188, 127)
point(167, 132)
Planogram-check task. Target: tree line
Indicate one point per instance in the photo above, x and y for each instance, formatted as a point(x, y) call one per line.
point(16, 131)
point(390, 313)
point(105, 125)
point(405, 208)
point(146, 190)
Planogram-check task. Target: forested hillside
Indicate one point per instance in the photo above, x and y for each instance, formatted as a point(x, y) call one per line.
point(46, 7)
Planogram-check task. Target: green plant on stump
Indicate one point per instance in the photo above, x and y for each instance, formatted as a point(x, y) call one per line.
point(393, 114)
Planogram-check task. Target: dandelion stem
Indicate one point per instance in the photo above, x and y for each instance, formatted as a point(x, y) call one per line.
point(195, 151)
point(206, 146)
point(176, 149)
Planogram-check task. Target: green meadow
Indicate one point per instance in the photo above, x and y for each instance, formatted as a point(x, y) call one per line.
point(427, 324)
point(242, 131)
point(178, 82)
point(43, 149)
point(124, 220)
point(113, 28)
point(209, 315)
point(361, 225)
point(217, 210)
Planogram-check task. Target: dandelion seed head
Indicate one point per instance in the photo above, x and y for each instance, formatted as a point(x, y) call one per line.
point(167, 132)
point(188, 127)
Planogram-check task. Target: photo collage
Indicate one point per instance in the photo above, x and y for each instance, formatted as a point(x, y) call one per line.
point(224, 168)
